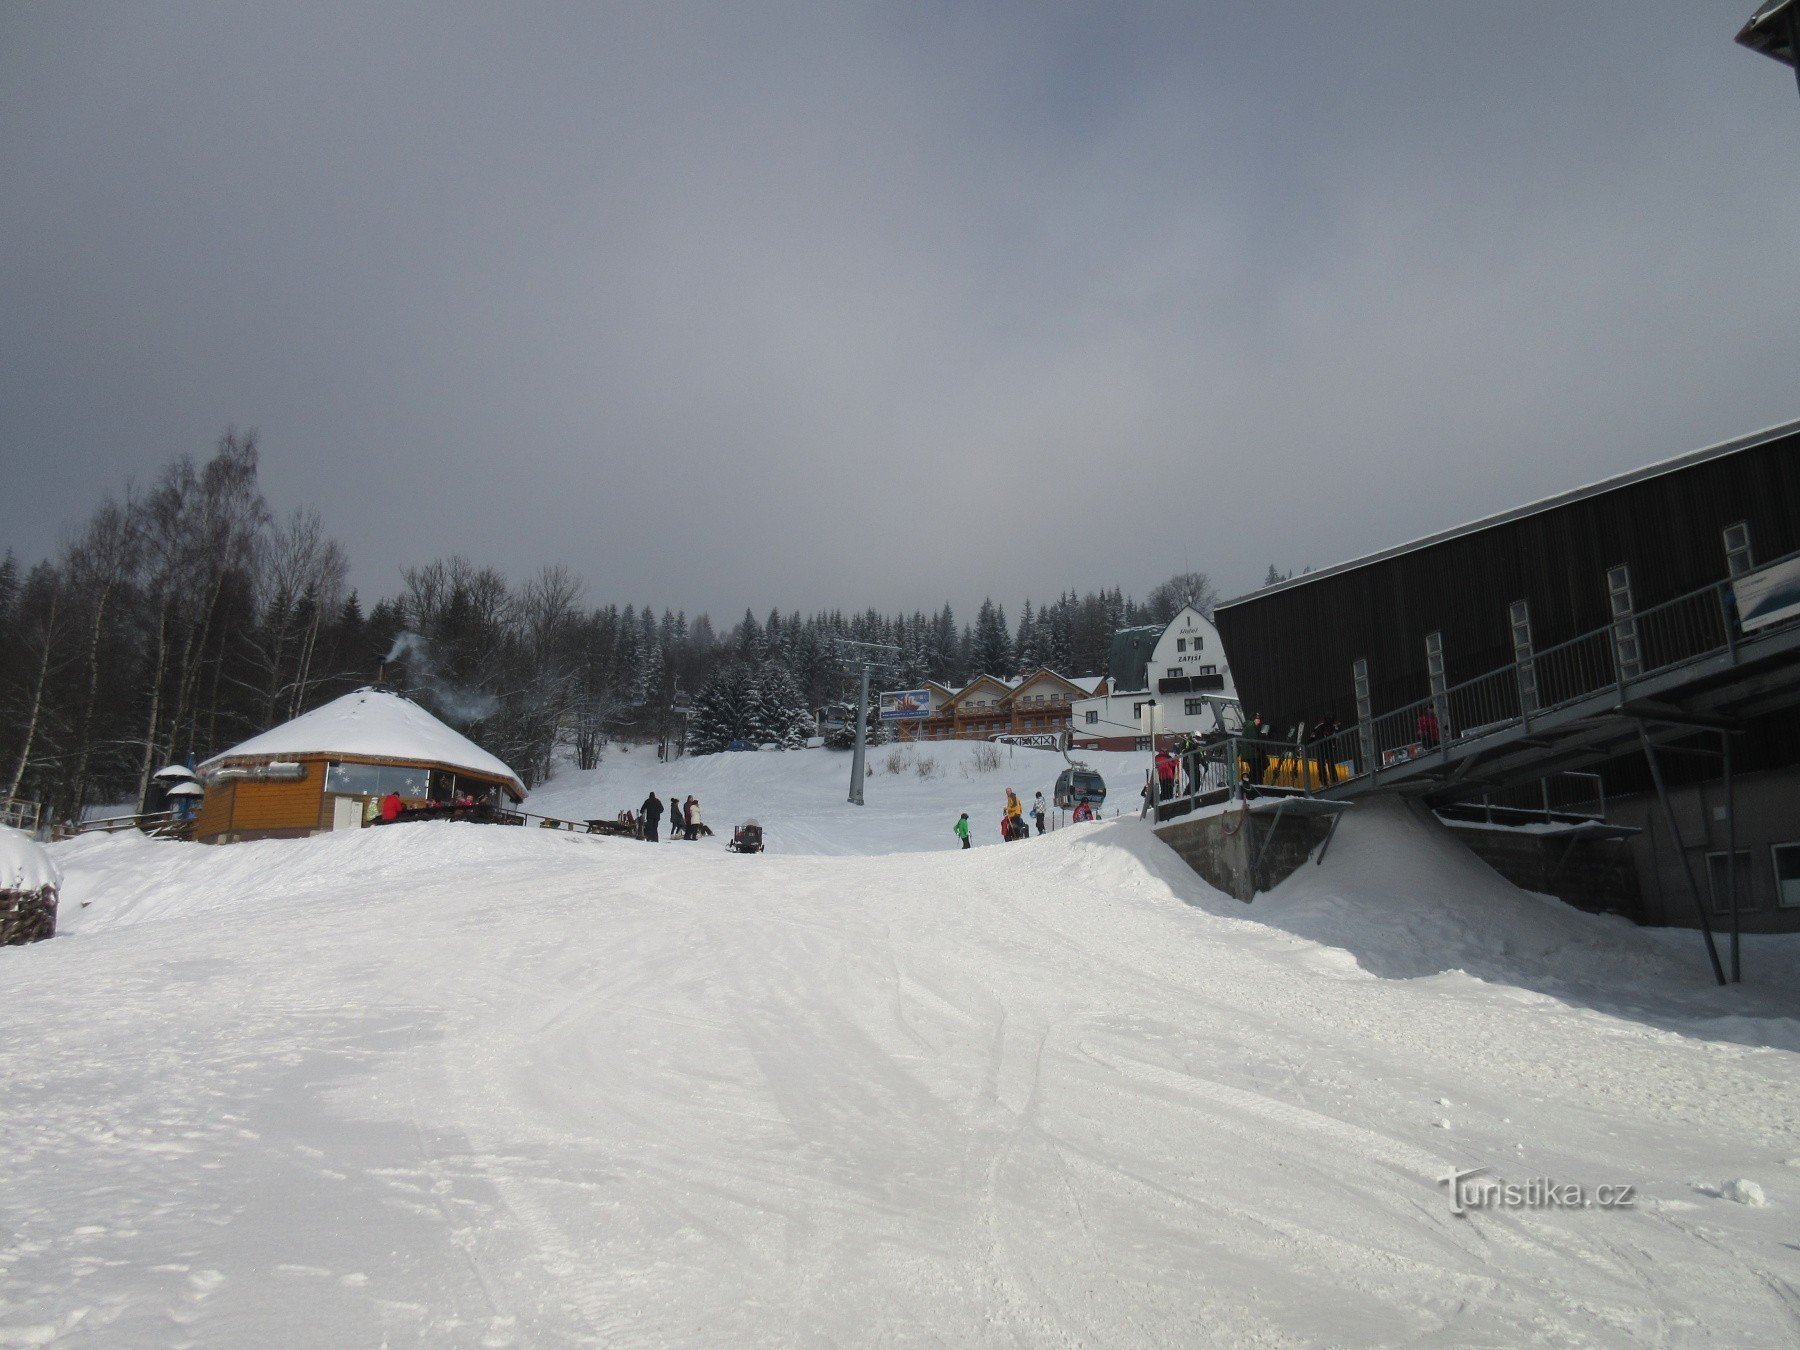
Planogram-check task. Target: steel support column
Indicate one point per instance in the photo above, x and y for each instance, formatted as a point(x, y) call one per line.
point(1737, 970)
point(1687, 865)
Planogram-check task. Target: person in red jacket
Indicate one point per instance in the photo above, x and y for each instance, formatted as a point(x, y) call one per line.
point(1428, 729)
point(390, 807)
point(1165, 773)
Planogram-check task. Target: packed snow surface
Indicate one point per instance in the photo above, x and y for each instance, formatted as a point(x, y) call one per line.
point(469, 1085)
point(25, 865)
point(912, 794)
point(376, 723)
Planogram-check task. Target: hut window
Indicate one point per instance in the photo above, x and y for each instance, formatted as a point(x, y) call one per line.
point(377, 780)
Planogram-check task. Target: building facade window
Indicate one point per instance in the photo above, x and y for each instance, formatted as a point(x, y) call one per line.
point(1786, 858)
point(1716, 874)
point(376, 780)
point(1193, 707)
point(1209, 670)
point(1142, 743)
point(1093, 717)
point(1181, 644)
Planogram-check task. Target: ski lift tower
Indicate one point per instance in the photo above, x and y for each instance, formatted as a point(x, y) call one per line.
point(871, 656)
point(1774, 30)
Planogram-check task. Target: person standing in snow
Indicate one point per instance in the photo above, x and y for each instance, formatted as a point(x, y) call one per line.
point(677, 818)
point(1037, 811)
point(962, 828)
point(693, 818)
point(651, 812)
point(1165, 774)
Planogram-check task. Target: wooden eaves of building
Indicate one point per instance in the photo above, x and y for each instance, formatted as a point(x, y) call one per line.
point(328, 768)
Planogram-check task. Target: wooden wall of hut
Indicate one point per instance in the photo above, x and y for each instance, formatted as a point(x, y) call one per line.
point(245, 807)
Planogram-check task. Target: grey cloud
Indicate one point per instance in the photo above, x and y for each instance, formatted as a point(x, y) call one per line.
point(826, 305)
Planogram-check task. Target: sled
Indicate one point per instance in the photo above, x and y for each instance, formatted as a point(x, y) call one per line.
point(746, 838)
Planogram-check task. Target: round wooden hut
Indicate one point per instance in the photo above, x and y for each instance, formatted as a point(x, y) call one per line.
point(329, 769)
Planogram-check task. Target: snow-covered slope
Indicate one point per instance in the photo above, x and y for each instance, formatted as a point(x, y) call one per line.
point(800, 796)
point(454, 1084)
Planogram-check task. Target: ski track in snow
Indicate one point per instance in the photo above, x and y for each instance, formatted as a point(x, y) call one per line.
point(448, 1084)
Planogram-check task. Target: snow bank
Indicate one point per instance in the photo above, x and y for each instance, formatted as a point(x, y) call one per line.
point(1403, 893)
point(24, 863)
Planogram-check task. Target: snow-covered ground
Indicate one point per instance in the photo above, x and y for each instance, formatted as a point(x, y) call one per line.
point(474, 1085)
point(801, 798)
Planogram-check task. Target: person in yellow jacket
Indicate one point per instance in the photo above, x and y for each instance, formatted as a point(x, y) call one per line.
point(1014, 821)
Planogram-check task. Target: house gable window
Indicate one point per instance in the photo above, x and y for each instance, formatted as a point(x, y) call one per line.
point(1786, 858)
point(1716, 876)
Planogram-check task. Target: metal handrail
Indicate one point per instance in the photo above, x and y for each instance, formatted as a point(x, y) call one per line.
point(1691, 627)
point(1695, 626)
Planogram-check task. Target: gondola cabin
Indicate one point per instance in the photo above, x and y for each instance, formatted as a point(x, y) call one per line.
point(329, 769)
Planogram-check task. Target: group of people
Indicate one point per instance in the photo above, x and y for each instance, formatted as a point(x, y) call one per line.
point(464, 804)
point(684, 818)
point(1012, 819)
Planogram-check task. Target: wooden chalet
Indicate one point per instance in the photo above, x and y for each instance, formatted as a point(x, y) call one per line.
point(1033, 704)
point(328, 770)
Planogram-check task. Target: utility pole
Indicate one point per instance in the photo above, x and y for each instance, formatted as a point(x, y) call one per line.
point(870, 656)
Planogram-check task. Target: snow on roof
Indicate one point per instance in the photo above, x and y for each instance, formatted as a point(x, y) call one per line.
point(373, 724)
point(24, 865)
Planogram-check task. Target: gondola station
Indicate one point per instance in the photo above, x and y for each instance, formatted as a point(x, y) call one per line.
point(331, 768)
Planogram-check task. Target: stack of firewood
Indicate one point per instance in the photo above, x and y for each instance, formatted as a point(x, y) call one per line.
point(27, 916)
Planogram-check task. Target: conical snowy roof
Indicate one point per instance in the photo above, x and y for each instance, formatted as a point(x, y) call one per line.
point(373, 724)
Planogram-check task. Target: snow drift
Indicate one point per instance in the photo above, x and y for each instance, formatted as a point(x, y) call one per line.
point(485, 1086)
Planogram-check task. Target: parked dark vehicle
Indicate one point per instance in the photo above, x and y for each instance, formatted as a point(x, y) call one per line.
point(1079, 785)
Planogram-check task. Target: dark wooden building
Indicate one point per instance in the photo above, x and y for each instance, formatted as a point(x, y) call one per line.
point(1634, 578)
point(1292, 646)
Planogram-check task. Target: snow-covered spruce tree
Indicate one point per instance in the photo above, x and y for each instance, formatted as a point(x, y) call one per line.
point(843, 737)
point(774, 702)
point(993, 649)
point(647, 685)
point(722, 710)
point(841, 734)
point(779, 713)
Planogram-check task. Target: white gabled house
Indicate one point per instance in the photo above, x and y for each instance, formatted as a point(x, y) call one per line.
point(1176, 672)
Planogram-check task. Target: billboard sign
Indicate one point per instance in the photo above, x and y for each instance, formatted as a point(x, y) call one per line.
point(1768, 596)
point(900, 705)
point(1030, 740)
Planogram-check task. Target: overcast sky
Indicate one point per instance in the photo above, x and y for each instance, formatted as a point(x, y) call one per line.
point(837, 305)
